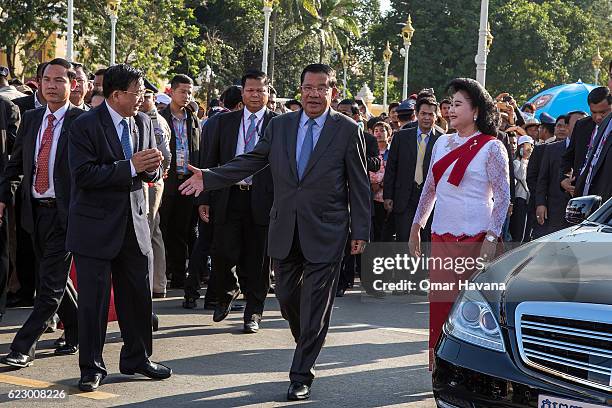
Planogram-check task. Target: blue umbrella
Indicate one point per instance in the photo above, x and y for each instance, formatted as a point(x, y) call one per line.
point(563, 99)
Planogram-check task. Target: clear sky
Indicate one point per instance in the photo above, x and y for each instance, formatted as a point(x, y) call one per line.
point(385, 5)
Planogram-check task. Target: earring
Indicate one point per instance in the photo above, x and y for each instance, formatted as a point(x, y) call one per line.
point(475, 118)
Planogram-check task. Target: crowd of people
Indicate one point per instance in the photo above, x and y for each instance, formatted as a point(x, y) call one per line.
point(101, 172)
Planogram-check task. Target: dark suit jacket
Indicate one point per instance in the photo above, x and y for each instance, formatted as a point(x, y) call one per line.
point(575, 155)
point(223, 141)
point(25, 103)
point(503, 136)
point(533, 170)
point(9, 123)
point(547, 190)
point(372, 159)
point(171, 183)
point(22, 164)
point(601, 181)
point(399, 170)
point(318, 205)
point(105, 193)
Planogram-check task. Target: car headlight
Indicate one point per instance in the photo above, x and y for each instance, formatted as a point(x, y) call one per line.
point(472, 320)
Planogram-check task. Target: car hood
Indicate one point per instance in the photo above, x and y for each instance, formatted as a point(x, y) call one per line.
point(572, 265)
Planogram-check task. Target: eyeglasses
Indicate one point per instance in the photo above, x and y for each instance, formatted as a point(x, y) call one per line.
point(319, 90)
point(139, 94)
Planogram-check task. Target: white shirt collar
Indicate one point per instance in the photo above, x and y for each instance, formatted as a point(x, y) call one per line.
point(59, 114)
point(319, 120)
point(117, 118)
point(246, 114)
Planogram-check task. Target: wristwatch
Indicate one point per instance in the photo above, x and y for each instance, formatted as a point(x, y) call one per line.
point(491, 238)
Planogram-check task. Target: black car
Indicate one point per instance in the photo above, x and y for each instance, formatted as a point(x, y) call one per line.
point(545, 340)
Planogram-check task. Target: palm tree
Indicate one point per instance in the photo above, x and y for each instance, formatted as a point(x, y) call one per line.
point(331, 22)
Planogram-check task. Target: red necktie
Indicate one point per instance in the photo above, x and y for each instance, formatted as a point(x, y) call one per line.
point(41, 182)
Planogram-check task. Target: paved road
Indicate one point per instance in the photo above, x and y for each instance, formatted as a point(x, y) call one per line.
point(375, 356)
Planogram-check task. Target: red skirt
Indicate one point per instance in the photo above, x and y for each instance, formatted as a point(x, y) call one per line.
point(441, 301)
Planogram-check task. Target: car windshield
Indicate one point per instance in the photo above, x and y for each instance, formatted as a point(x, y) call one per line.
point(603, 215)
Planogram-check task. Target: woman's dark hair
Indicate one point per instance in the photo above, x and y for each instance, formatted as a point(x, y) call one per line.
point(119, 78)
point(320, 69)
point(488, 116)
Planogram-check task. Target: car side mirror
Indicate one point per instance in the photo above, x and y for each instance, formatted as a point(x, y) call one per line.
point(579, 209)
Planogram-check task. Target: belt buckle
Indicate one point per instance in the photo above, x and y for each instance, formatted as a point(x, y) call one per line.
point(244, 187)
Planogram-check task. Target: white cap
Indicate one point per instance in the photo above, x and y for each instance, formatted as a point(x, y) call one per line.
point(524, 139)
point(163, 98)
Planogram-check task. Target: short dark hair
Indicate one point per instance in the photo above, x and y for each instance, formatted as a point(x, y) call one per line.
point(385, 125)
point(550, 127)
point(62, 63)
point(372, 122)
point(292, 102)
point(180, 79)
point(40, 69)
point(426, 100)
point(488, 116)
point(561, 118)
point(598, 94)
point(254, 74)
point(231, 96)
point(350, 102)
point(445, 100)
point(393, 105)
point(576, 112)
point(100, 71)
point(119, 78)
point(320, 69)
point(76, 65)
point(425, 93)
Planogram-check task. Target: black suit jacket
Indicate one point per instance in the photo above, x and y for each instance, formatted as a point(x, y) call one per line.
point(401, 162)
point(171, 183)
point(105, 194)
point(601, 181)
point(9, 123)
point(576, 152)
point(22, 162)
point(317, 205)
point(547, 190)
point(533, 170)
point(223, 137)
point(372, 159)
point(25, 103)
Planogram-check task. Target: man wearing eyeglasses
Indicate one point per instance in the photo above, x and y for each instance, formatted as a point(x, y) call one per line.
point(318, 165)
point(112, 151)
point(83, 86)
point(177, 213)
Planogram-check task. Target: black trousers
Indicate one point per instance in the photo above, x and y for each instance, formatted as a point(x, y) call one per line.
point(198, 262)
point(130, 280)
point(305, 292)
point(177, 223)
point(26, 264)
point(49, 241)
point(378, 221)
point(4, 261)
point(519, 230)
point(242, 243)
point(404, 219)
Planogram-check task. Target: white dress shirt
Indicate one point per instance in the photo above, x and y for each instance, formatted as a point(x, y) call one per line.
point(117, 118)
point(57, 130)
point(244, 127)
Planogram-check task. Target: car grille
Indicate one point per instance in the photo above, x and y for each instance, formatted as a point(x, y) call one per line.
point(568, 340)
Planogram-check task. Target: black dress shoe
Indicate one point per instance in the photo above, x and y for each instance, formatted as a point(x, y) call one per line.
point(90, 382)
point(61, 341)
point(298, 391)
point(252, 325)
point(154, 322)
point(223, 309)
point(66, 350)
point(150, 369)
point(16, 359)
point(191, 303)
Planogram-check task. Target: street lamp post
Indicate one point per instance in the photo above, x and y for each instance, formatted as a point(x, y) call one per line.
point(70, 31)
point(481, 57)
point(386, 60)
point(597, 59)
point(407, 33)
point(345, 69)
point(267, 9)
point(112, 9)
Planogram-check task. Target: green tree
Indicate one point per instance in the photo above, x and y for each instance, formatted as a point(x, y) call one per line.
point(25, 26)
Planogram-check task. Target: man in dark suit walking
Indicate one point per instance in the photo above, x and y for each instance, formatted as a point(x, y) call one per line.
point(407, 167)
point(583, 135)
point(111, 153)
point(318, 165)
point(596, 179)
point(40, 155)
point(177, 214)
point(241, 213)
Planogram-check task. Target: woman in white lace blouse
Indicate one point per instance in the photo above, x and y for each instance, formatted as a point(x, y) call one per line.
point(468, 181)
